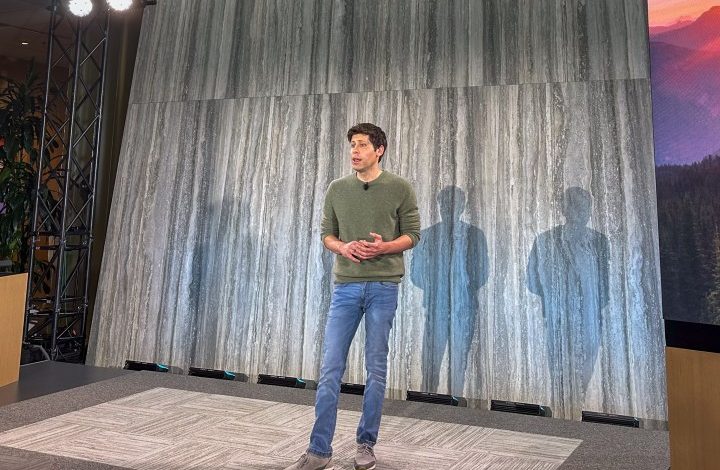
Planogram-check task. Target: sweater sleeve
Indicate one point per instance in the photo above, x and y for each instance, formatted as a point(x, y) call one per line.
point(329, 225)
point(409, 216)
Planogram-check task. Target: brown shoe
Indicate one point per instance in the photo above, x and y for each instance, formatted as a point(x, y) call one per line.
point(365, 457)
point(309, 461)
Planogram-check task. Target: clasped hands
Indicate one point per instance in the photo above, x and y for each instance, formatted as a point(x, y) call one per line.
point(360, 250)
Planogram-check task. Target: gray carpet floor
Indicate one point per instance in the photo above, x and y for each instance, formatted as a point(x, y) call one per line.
point(46, 377)
point(598, 446)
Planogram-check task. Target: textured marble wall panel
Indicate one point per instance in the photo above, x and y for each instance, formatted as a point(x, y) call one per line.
point(536, 278)
point(524, 148)
point(617, 36)
point(245, 184)
point(195, 49)
point(216, 218)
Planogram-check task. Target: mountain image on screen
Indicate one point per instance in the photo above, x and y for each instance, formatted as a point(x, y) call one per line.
point(686, 90)
point(685, 62)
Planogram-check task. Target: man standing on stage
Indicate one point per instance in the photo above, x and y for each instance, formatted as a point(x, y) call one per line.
point(369, 219)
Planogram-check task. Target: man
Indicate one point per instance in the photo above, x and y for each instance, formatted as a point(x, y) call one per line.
point(369, 219)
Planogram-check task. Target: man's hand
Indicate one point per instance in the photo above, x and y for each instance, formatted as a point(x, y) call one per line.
point(369, 250)
point(350, 251)
point(358, 251)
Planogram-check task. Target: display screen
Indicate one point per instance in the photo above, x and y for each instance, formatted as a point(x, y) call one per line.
point(685, 61)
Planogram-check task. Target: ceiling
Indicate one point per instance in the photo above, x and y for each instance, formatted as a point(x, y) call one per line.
point(28, 21)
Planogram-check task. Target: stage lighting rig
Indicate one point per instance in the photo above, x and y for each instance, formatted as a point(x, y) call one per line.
point(65, 173)
point(120, 5)
point(82, 8)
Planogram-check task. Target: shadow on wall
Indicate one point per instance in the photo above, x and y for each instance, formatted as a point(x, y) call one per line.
point(450, 265)
point(221, 293)
point(568, 268)
point(227, 297)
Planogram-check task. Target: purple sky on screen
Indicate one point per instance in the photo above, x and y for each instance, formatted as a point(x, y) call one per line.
point(666, 12)
point(685, 61)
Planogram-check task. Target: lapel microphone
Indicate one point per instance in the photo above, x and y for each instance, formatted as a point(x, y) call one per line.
point(366, 186)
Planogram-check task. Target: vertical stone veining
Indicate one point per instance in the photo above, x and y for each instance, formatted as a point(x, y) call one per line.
point(496, 110)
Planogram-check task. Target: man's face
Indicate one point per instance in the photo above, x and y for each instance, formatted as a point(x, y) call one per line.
point(362, 154)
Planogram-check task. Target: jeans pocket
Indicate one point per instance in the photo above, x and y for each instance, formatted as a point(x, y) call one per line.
point(389, 284)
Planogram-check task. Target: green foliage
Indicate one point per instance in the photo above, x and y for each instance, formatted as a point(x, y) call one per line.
point(689, 226)
point(20, 133)
point(713, 297)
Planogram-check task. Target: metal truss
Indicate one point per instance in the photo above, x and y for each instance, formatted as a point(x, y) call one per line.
point(62, 224)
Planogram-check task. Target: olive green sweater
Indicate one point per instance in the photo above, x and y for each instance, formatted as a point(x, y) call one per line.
point(388, 207)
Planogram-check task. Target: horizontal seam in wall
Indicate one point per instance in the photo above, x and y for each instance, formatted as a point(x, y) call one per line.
point(398, 90)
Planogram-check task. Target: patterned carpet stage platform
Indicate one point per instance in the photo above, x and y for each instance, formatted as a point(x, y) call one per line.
point(165, 429)
point(168, 422)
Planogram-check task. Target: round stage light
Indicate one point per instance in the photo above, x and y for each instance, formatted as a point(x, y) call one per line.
point(120, 5)
point(80, 7)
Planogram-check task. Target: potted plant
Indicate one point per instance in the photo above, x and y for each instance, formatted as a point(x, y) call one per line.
point(20, 133)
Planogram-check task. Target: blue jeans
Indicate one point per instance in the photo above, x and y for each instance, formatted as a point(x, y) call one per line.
point(378, 302)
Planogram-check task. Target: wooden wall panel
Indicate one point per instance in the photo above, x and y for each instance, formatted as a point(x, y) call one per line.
point(12, 315)
point(693, 380)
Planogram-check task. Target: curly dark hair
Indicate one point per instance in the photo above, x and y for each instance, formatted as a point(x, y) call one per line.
point(376, 135)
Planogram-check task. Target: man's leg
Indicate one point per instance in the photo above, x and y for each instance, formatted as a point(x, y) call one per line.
point(380, 306)
point(343, 320)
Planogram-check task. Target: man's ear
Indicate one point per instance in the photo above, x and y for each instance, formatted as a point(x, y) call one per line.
point(380, 149)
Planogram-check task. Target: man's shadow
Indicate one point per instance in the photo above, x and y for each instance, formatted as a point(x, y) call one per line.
point(221, 289)
point(223, 297)
point(450, 264)
point(569, 269)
